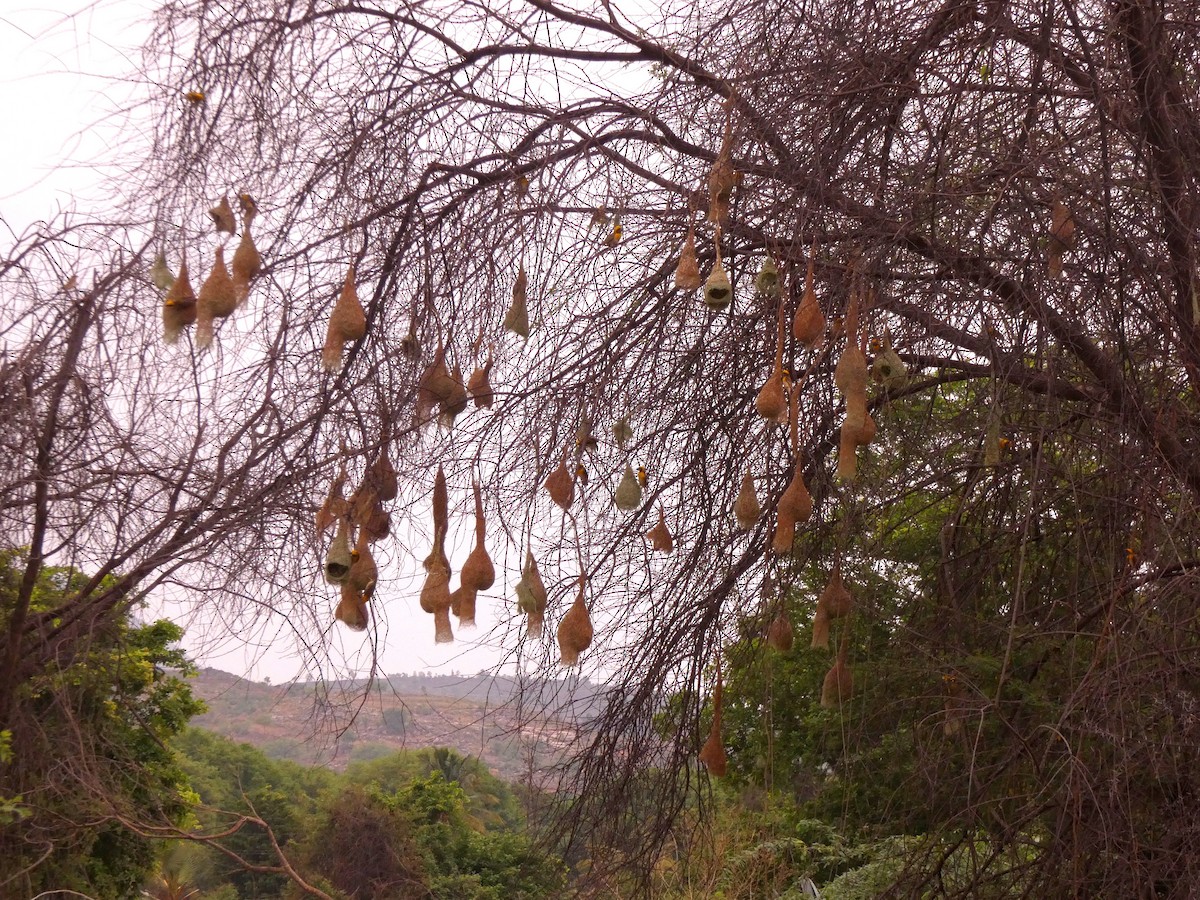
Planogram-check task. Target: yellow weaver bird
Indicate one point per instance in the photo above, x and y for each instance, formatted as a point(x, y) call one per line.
point(614, 236)
point(581, 474)
point(194, 96)
point(642, 476)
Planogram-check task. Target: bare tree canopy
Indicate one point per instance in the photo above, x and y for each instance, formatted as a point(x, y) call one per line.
point(994, 206)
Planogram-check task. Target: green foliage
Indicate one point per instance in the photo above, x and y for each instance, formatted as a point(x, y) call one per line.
point(88, 744)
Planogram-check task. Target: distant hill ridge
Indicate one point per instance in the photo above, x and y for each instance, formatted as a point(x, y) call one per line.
point(515, 725)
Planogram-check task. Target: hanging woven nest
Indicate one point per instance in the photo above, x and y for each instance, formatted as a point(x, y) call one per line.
point(478, 573)
point(410, 344)
point(746, 508)
point(838, 686)
point(628, 495)
point(531, 596)
point(850, 376)
point(381, 475)
point(222, 216)
point(808, 326)
point(575, 630)
point(247, 263)
point(772, 400)
point(1062, 237)
point(335, 506)
point(441, 504)
point(585, 436)
point(216, 300)
point(160, 274)
point(766, 282)
point(712, 754)
point(339, 557)
point(780, 634)
point(479, 386)
point(867, 433)
point(179, 306)
point(622, 432)
point(436, 386)
point(363, 573)
point(887, 368)
point(561, 486)
point(435, 599)
point(722, 179)
point(462, 604)
point(516, 319)
point(352, 609)
point(347, 323)
point(718, 291)
point(660, 536)
point(795, 498)
point(456, 401)
point(835, 602)
point(687, 273)
point(991, 442)
point(367, 512)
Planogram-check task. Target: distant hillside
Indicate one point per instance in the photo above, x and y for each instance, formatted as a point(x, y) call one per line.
point(332, 724)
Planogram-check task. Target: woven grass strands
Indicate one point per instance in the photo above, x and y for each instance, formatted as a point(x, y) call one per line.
point(712, 754)
point(347, 322)
point(531, 596)
point(575, 630)
point(217, 300)
point(179, 304)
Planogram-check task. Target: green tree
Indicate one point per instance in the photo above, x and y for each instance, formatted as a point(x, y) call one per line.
point(89, 756)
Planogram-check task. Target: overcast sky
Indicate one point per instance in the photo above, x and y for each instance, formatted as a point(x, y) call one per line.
point(64, 71)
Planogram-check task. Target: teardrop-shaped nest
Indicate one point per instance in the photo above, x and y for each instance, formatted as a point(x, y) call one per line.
point(531, 596)
point(352, 609)
point(367, 512)
point(456, 399)
point(462, 604)
point(218, 296)
point(479, 386)
point(247, 264)
point(478, 573)
point(796, 499)
point(771, 402)
point(516, 319)
point(780, 634)
point(339, 559)
point(347, 322)
point(435, 591)
point(363, 571)
point(785, 532)
point(223, 218)
point(746, 508)
point(628, 495)
point(561, 486)
point(622, 432)
point(348, 319)
point(575, 630)
point(381, 475)
point(712, 754)
point(836, 599)
point(179, 306)
point(718, 291)
point(687, 273)
point(838, 686)
point(808, 326)
point(660, 536)
point(766, 282)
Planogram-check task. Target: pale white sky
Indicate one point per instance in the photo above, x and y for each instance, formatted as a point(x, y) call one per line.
point(64, 73)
